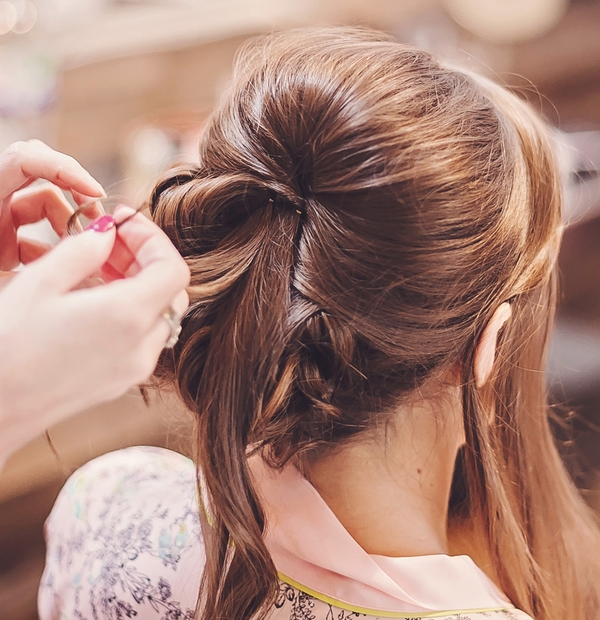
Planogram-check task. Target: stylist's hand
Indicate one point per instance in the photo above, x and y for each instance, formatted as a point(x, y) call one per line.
point(63, 349)
point(20, 165)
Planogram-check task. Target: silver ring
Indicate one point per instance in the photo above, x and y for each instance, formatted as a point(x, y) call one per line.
point(174, 321)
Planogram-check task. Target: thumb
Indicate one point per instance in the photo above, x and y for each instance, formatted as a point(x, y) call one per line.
point(73, 260)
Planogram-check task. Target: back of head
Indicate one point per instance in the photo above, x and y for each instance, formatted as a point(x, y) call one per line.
point(358, 213)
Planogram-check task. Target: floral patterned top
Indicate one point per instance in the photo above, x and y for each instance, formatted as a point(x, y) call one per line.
point(124, 541)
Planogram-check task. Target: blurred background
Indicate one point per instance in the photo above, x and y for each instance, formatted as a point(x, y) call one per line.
point(125, 85)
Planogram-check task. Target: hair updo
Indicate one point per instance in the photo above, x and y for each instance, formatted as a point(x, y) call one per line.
point(358, 213)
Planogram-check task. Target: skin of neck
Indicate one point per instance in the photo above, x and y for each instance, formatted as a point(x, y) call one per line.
point(391, 490)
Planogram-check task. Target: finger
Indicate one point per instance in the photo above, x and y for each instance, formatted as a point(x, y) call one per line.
point(133, 269)
point(9, 247)
point(134, 227)
point(120, 262)
point(38, 203)
point(121, 296)
point(179, 305)
point(181, 302)
point(30, 250)
point(6, 277)
point(110, 274)
point(163, 273)
point(89, 207)
point(72, 261)
point(23, 161)
point(154, 344)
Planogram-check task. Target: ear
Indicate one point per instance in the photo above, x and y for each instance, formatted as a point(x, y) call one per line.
point(485, 354)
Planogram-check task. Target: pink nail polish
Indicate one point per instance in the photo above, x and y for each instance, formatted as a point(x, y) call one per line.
point(102, 224)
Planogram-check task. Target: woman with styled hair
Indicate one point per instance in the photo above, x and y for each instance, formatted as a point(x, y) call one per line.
point(372, 238)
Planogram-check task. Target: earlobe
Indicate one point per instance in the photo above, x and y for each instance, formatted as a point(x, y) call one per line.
point(485, 354)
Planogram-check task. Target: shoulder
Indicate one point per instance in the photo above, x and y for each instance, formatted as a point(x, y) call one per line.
point(127, 486)
point(132, 469)
point(124, 537)
point(138, 461)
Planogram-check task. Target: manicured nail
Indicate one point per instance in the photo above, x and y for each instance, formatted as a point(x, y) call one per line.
point(102, 224)
point(100, 191)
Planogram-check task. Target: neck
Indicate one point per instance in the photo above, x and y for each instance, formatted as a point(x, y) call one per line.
point(391, 492)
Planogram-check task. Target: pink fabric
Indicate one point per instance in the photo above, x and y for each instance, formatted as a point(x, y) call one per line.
point(310, 546)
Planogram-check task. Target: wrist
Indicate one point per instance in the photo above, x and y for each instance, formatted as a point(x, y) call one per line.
point(19, 418)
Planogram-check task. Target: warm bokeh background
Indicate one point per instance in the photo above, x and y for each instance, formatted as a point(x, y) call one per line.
point(124, 86)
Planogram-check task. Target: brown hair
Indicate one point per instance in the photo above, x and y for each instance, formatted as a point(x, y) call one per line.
point(358, 213)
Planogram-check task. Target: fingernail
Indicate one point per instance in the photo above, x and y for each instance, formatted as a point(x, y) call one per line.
point(99, 188)
point(102, 224)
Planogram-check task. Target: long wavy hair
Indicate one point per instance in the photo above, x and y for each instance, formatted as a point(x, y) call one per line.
point(358, 213)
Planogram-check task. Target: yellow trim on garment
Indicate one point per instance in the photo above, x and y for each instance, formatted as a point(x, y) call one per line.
point(383, 614)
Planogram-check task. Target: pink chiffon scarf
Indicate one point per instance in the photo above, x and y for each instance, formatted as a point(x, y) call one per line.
point(315, 553)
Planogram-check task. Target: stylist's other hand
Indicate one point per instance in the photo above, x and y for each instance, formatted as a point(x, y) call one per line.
point(63, 348)
point(21, 164)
